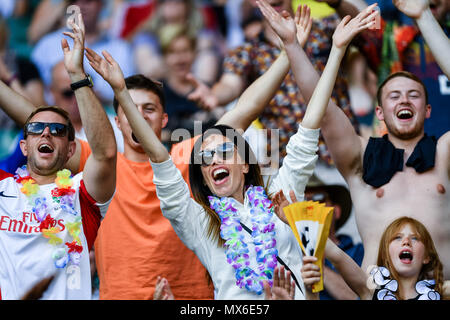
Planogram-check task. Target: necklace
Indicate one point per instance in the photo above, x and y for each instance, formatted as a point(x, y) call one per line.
point(263, 235)
point(63, 195)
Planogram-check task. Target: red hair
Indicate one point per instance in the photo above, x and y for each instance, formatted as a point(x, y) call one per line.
point(433, 269)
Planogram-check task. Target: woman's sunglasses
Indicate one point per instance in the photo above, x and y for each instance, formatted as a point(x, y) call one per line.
point(56, 129)
point(224, 151)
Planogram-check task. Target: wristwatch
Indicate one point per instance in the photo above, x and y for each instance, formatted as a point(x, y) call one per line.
point(82, 83)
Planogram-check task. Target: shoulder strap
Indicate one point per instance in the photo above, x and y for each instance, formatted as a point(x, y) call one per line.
point(279, 260)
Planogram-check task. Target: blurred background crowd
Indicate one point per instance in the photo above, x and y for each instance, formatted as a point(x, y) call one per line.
point(183, 43)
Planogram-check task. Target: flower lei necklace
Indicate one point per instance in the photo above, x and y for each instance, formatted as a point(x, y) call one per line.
point(63, 195)
point(263, 234)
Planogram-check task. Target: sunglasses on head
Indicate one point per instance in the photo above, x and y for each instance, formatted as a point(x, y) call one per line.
point(56, 129)
point(224, 151)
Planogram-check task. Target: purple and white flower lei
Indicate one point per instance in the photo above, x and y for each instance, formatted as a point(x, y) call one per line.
point(263, 234)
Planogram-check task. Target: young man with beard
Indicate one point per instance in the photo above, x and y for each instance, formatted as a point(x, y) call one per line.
point(49, 219)
point(405, 173)
point(420, 48)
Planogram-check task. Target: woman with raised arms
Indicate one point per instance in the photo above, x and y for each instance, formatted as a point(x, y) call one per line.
point(229, 222)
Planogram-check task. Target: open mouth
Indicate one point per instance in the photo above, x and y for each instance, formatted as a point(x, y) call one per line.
point(45, 148)
point(405, 114)
point(220, 174)
point(406, 256)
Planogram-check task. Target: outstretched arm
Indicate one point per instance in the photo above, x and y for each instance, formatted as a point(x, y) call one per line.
point(435, 37)
point(110, 70)
point(16, 106)
point(99, 174)
point(231, 85)
point(335, 123)
point(353, 275)
point(284, 25)
point(258, 95)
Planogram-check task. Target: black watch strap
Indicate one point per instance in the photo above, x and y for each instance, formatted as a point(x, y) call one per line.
point(82, 83)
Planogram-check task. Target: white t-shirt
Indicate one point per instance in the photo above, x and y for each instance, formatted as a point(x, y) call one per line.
point(26, 255)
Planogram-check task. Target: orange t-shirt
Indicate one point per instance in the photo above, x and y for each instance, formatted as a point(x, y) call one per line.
point(136, 243)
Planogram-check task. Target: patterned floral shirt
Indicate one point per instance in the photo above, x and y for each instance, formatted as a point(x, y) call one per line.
point(288, 107)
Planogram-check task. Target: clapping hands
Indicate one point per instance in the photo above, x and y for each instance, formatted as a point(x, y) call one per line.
point(287, 28)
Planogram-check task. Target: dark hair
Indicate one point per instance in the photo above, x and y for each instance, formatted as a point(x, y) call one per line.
point(139, 81)
point(201, 192)
point(404, 74)
point(56, 109)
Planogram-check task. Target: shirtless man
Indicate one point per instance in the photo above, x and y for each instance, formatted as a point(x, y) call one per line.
point(379, 197)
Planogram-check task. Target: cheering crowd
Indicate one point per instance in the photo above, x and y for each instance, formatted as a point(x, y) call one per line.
point(149, 148)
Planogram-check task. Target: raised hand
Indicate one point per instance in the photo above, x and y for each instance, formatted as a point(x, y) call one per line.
point(279, 201)
point(202, 94)
point(283, 288)
point(303, 22)
point(412, 8)
point(283, 24)
point(348, 27)
point(73, 59)
point(108, 68)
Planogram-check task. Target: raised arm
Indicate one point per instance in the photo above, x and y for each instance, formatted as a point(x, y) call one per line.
point(435, 37)
point(284, 25)
point(258, 95)
point(16, 106)
point(335, 123)
point(228, 88)
point(110, 70)
point(99, 174)
point(353, 275)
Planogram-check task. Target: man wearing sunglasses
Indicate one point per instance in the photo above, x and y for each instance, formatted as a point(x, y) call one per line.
point(48, 218)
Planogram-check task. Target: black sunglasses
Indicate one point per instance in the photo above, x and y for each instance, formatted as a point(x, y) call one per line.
point(224, 151)
point(56, 129)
